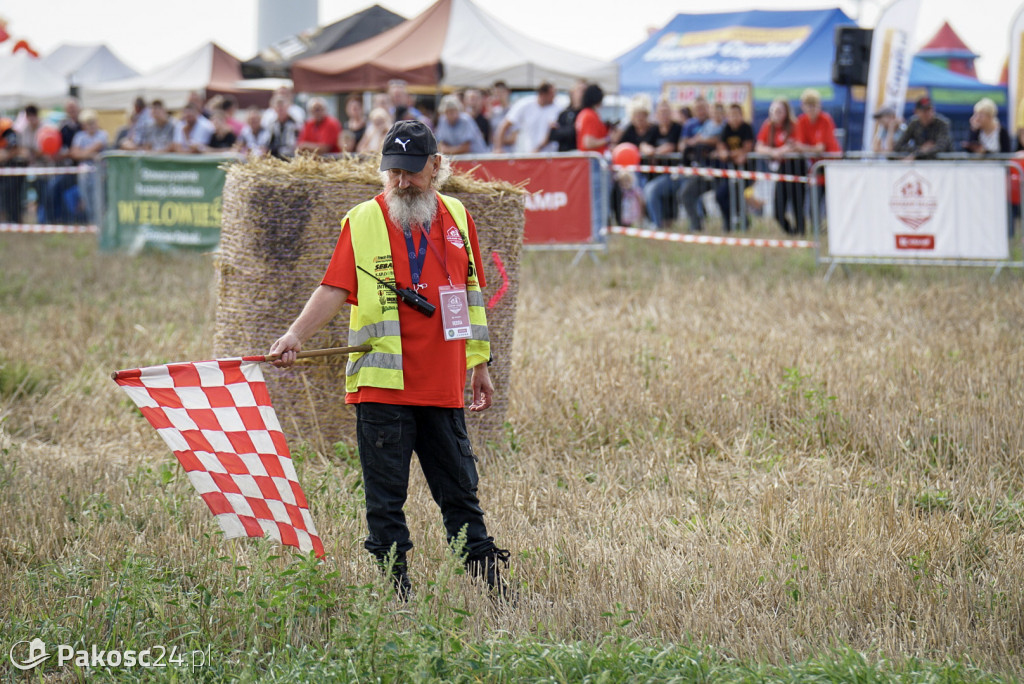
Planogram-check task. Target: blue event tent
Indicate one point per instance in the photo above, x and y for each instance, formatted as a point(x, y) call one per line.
point(755, 46)
point(779, 53)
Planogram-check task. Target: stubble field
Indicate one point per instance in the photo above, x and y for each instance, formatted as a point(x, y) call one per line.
point(716, 466)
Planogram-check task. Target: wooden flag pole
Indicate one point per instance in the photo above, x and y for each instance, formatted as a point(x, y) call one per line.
point(330, 351)
point(312, 353)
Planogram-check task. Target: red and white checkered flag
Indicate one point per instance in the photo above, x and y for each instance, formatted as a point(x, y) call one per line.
point(217, 418)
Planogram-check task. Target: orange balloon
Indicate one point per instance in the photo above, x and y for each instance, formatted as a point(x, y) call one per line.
point(626, 154)
point(48, 139)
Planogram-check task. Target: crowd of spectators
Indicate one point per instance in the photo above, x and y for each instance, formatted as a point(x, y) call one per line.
point(476, 121)
point(710, 135)
point(62, 198)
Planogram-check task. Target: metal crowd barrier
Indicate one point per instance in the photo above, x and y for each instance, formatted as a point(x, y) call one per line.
point(51, 199)
point(781, 183)
point(65, 199)
point(1015, 190)
point(61, 199)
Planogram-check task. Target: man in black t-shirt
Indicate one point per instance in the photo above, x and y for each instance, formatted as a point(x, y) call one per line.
point(564, 130)
point(12, 188)
point(736, 142)
point(473, 100)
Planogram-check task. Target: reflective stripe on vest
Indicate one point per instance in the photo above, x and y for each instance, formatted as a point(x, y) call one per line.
point(374, 320)
point(372, 323)
point(372, 330)
point(375, 360)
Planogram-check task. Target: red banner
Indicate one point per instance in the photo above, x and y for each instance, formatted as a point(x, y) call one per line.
point(558, 209)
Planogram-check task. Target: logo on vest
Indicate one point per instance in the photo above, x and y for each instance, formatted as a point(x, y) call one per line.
point(453, 236)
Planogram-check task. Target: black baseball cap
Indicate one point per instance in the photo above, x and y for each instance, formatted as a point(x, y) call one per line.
point(407, 146)
point(923, 103)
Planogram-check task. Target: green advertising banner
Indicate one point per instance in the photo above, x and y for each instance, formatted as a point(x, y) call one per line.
point(167, 201)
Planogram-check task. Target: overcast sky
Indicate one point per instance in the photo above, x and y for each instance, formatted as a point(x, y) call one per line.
point(149, 34)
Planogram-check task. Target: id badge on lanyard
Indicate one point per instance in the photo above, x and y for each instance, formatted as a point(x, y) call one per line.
point(455, 312)
point(454, 299)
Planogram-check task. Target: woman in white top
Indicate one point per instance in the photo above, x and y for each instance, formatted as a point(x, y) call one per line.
point(987, 136)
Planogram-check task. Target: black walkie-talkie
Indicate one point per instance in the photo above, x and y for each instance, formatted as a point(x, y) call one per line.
point(406, 295)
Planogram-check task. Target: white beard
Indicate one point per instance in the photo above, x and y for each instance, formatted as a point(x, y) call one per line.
point(411, 207)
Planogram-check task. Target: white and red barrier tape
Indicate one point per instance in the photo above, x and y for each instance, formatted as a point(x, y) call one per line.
point(46, 228)
point(45, 170)
point(709, 172)
point(709, 239)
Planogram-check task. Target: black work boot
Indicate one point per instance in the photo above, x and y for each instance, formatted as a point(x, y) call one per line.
point(398, 572)
point(486, 567)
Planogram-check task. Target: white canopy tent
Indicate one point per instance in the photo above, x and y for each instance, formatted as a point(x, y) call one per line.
point(87, 64)
point(480, 50)
point(24, 79)
point(207, 69)
point(453, 43)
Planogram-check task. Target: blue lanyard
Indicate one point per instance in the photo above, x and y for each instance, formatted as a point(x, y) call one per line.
point(416, 259)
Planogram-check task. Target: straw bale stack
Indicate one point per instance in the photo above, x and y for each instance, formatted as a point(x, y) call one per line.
point(279, 226)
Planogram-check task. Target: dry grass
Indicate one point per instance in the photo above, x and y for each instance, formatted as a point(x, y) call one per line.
point(710, 443)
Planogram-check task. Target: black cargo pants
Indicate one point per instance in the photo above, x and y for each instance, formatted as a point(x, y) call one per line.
point(387, 436)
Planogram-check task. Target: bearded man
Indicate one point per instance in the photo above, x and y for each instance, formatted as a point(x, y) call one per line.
point(408, 391)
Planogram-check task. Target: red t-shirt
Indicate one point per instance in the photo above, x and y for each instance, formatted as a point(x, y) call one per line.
point(324, 132)
point(772, 136)
point(823, 130)
point(589, 123)
point(434, 370)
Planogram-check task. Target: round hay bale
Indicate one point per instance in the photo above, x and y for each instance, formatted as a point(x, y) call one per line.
point(279, 226)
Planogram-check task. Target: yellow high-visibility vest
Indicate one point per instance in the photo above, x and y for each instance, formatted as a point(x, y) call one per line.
point(374, 320)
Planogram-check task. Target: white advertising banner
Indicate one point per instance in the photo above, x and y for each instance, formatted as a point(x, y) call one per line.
point(891, 56)
point(920, 210)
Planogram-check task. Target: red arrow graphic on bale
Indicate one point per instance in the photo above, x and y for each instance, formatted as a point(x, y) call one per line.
point(504, 281)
